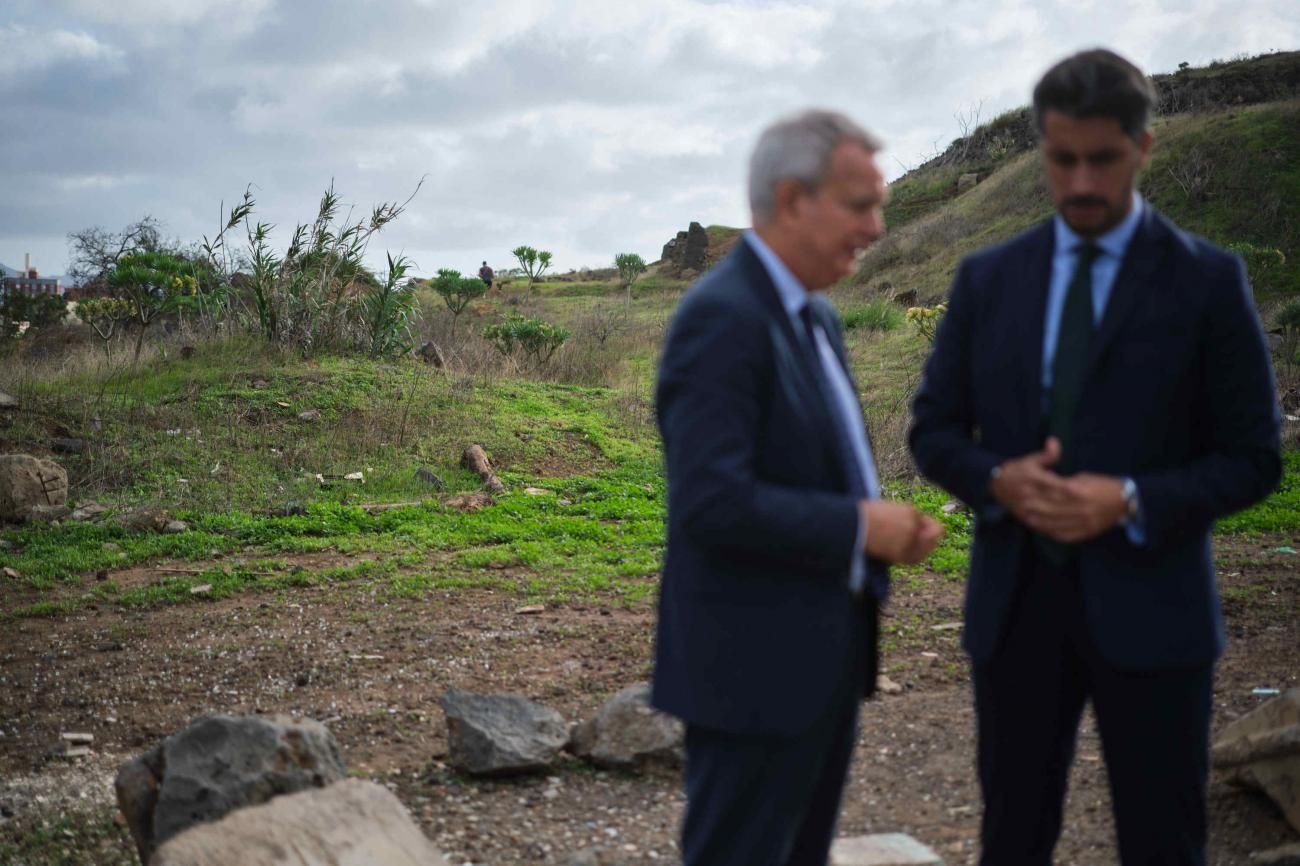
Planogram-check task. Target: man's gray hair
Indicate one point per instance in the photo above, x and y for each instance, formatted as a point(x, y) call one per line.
point(799, 148)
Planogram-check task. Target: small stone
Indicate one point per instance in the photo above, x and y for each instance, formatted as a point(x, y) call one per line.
point(201, 589)
point(428, 477)
point(882, 849)
point(886, 686)
point(355, 476)
point(946, 626)
point(8, 401)
point(67, 445)
point(1287, 855)
point(109, 646)
point(176, 527)
point(89, 511)
point(531, 609)
point(10, 573)
point(77, 752)
point(310, 416)
point(77, 739)
point(48, 513)
point(536, 491)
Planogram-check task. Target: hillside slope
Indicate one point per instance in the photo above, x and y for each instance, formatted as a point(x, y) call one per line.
point(1232, 175)
point(1227, 167)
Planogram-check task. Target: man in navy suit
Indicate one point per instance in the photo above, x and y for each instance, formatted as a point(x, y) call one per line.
point(777, 537)
point(1099, 393)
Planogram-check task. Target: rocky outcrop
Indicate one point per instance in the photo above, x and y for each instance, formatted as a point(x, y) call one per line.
point(347, 824)
point(689, 251)
point(28, 482)
point(217, 765)
point(497, 735)
point(628, 732)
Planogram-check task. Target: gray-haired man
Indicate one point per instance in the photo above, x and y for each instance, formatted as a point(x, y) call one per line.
point(778, 541)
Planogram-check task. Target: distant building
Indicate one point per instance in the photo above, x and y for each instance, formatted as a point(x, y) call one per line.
point(28, 281)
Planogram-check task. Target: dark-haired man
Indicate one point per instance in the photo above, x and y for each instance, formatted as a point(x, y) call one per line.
point(1099, 393)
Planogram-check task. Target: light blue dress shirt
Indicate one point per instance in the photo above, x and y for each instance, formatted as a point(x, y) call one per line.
point(1105, 268)
point(794, 297)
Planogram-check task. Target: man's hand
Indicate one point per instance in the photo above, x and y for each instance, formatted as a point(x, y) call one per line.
point(1067, 509)
point(1083, 507)
point(1022, 485)
point(898, 533)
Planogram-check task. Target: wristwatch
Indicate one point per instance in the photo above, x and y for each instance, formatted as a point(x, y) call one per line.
point(1130, 501)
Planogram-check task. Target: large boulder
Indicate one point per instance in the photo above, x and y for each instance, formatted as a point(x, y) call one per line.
point(220, 764)
point(495, 735)
point(28, 482)
point(628, 732)
point(1262, 750)
point(352, 823)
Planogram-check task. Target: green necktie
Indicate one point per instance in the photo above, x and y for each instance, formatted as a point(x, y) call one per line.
point(1073, 338)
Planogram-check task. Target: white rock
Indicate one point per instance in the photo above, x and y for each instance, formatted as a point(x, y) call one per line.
point(882, 849)
point(349, 823)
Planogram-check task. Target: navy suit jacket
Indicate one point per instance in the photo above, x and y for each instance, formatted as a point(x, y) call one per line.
point(757, 628)
point(1179, 395)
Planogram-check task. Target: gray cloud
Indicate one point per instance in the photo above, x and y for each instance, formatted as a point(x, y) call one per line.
point(587, 127)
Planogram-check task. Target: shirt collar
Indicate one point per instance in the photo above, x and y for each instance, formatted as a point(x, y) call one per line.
point(1112, 243)
point(792, 292)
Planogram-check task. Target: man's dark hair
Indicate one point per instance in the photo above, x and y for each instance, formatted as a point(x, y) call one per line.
point(1096, 83)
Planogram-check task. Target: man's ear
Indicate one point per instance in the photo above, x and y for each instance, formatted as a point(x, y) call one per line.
point(786, 198)
point(1144, 145)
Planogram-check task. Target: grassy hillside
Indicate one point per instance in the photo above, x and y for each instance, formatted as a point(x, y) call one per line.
point(217, 439)
point(995, 144)
point(1232, 175)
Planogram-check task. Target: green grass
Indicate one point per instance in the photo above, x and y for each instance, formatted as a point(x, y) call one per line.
point(876, 315)
point(586, 534)
point(1277, 515)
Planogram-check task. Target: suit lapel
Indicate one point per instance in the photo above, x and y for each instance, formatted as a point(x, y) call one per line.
point(787, 345)
point(1144, 254)
point(1036, 276)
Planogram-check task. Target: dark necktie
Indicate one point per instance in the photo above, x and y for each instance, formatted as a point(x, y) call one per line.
point(1074, 337)
point(876, 580)
point(1073, 340)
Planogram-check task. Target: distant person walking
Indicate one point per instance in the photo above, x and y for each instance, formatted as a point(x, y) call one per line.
point(778, 539)
point(485, 274)
point(1099, 393)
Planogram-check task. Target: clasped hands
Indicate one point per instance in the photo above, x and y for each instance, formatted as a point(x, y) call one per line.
point(897, 532)
point(1068, 509)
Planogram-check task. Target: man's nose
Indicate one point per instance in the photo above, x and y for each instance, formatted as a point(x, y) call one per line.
point(1083, 179)
point(873, 226)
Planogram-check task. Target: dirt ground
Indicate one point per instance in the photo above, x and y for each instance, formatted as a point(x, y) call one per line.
point(371, 667)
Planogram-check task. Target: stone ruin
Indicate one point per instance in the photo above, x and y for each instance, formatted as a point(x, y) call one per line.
point(688, 251)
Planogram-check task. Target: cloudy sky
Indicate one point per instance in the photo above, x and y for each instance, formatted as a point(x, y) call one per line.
point(586, 127)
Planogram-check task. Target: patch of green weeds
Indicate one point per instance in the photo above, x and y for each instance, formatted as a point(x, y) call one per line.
point(1278, 514)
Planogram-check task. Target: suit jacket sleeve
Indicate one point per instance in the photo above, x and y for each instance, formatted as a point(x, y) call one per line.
point(1238, 422)
point(942, 436)
point(714, 395)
